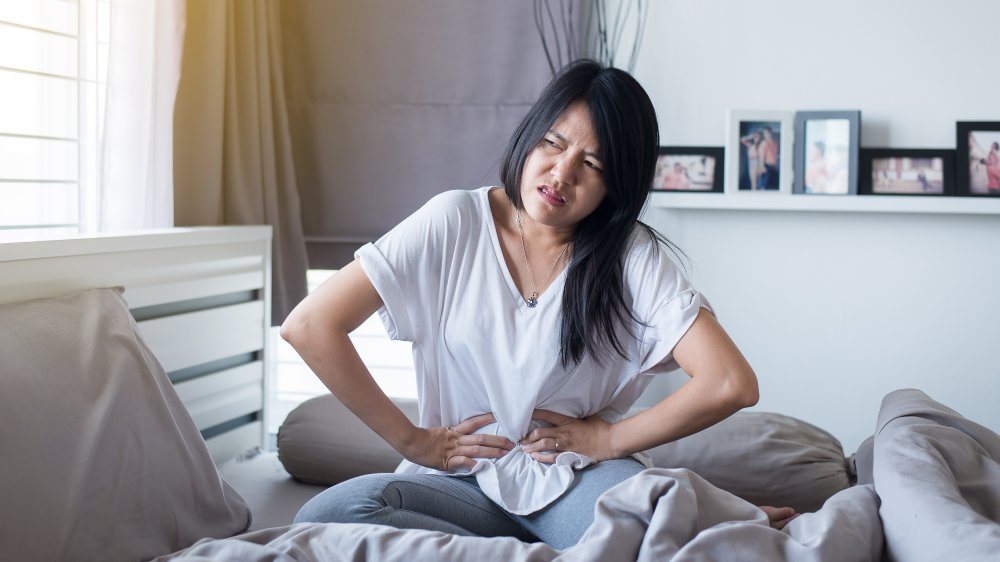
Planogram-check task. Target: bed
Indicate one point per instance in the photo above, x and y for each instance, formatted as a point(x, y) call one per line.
point(133, 370)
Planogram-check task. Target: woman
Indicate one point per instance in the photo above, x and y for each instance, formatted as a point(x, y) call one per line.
point(536, 312)
point(754, 168)
point(992, 162)
point(816, 173)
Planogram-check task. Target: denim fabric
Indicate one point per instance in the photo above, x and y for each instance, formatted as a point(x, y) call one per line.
point(457, 505)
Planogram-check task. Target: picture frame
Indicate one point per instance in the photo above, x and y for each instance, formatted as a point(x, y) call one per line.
point(921, 172)
point(827, 145)
point(759, 152)
point(694, 169)
point(977, 158)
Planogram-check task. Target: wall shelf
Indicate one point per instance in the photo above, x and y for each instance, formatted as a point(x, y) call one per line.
point(827, 203)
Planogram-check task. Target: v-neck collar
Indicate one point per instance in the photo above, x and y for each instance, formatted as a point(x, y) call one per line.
point(491, 225)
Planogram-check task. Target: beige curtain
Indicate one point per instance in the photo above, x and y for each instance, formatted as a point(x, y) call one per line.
point(232, 148)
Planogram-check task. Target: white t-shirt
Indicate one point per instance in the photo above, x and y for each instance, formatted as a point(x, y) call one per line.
point(478, 347)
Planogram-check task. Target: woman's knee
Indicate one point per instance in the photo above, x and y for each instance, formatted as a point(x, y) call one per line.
point(351, 501)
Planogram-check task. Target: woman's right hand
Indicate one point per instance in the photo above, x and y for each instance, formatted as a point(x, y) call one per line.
point(451, 448)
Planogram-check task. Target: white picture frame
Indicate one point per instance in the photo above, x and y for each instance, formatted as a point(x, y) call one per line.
point(750, 166)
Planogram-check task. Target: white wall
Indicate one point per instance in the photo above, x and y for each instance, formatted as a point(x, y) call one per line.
point(835, 309)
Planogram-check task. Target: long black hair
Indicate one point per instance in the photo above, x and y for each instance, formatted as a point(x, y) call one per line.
point(625, 123)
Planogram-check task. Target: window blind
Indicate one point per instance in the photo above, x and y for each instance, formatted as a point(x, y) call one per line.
point(392, 102)
point(53, 73)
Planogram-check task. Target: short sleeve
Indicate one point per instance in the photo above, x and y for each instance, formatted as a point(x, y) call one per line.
point(405, 266)
point(663, 300)
point(394, 313)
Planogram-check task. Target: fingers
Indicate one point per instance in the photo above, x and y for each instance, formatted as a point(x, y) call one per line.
point(547, 458)
point(551, 417)
point(487, 441)
point(481, 451)
point(465, 456)
point(455, 462)
point(546, 444)
point(557, 421)
point(474, 423)
point(462, 450)
point(542, 444)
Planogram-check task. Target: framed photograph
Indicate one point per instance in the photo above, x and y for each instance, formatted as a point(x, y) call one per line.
point(826, 152)
point(689, 168)
point(906, 171)
point(977, 159)
point(759, 152)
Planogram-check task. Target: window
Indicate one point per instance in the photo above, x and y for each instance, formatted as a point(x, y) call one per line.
point(390, 363)
point(53, 71)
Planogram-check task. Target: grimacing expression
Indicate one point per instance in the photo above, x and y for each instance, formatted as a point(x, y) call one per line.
point(563, 177)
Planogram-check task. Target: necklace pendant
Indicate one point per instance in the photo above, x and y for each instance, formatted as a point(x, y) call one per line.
point(532, 301)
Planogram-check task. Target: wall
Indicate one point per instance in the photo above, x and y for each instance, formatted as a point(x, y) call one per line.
point(835, 309)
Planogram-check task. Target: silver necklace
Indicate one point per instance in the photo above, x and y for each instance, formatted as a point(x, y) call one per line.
point(533, 299)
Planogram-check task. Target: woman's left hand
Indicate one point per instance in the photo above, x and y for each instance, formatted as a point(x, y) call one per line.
point(587, 436)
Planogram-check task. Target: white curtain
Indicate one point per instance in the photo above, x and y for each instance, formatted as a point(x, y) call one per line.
point(146, 39)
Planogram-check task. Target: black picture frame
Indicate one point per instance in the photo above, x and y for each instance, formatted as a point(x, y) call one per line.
point(909, 180)
point(976, 174)
point(822, 167)
point(706, 177)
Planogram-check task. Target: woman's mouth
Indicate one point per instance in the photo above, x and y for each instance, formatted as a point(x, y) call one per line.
point(551, 197)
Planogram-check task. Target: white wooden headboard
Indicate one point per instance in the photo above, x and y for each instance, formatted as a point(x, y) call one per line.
point(201, 297)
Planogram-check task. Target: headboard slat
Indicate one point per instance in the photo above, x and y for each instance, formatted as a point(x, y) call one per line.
point(202, 297)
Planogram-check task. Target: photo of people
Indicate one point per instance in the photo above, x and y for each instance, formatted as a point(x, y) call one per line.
point(984, 162)
point(827, 160)
point(685, 172)
point(760, 155)
point(919, 176)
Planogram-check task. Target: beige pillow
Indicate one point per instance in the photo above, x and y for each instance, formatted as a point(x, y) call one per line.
point(764, 458)
point(101, 461)
point(322, 442)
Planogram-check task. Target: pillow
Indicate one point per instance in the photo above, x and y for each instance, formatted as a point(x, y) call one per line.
point(767, 459)
point(764, 458)
point(101, 461)
point(862, 462)
point(322, 442)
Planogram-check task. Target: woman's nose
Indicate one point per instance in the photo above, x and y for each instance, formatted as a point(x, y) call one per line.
point(563, 171)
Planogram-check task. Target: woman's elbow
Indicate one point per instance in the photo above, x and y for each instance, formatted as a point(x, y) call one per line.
point(751, 395)
point(744, 391)
point(294, 328)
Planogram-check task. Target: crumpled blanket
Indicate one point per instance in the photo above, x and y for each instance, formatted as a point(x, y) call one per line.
point(938, 475)
point(938, 498)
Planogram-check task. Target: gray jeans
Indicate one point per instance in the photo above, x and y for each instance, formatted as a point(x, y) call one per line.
point(457, 505)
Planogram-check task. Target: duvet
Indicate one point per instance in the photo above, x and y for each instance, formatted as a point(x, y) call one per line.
point(934, 495)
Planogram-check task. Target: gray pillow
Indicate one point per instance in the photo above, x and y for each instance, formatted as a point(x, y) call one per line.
point(764, 458)
point(322, 442)
point(768, 459)
point(101, 461)
point(862, 462)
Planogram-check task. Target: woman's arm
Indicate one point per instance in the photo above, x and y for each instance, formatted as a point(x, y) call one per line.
point(721, 384)
point(319, 327)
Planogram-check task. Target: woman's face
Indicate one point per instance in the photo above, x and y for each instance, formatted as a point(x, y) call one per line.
point(563, 180)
